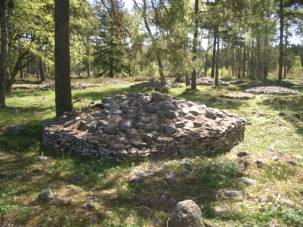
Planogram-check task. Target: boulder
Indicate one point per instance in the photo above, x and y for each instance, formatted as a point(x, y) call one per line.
point(187, 214)
point(46, 195)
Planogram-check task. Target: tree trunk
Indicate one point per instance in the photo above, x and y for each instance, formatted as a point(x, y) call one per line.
point(244, 60)
point(87, 58)
point(217, 63)
point(286, 50)
point(4, 50)
point(187, 80)
point(214, 55)
point(195, 43)
point(62, 58)
point(21, 72)
point(41, 71)
point(281, 41)
point(206, 57)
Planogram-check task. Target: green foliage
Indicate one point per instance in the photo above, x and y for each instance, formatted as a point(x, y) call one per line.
point(218, 172)
point(290, 216)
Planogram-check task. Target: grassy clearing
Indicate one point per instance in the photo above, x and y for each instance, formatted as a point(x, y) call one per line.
point(274, 136)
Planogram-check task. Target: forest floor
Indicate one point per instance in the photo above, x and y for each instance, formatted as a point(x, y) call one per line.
point(273, 138)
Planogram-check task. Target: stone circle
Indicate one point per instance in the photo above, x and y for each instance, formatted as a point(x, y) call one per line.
point(139, 125)
point(271, 90)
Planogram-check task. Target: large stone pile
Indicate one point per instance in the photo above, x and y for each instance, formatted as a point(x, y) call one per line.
point(210, 81)
point(153, 85)
point(271, 90)
point(137, 125)
point(51, 85)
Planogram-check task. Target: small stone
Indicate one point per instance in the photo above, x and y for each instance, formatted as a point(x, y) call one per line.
point(126, 125)
point(170, 178)
point(147, 137)
point(87, 206)
point(221, 211)
point(42, 158)
point(197, 124)
point(180, 124)
point(242, 154)
point(248, 181)
point(46, 195)
point(136, 179)
point(111, 129)
point(165, 139)
point(259, 163)
point(291, 162)
point(169, 130)
point(187, 214)
point(232, 193)
point(158, 96)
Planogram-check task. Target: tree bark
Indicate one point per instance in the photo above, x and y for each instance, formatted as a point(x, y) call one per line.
point(195, 43)
point(41, 71)
point(4, 50)
point(206, 57)
point(217, 63)
point(62, 58)
point(87, 58)
point(281, 41)
point(244, 60)
point(214, 55)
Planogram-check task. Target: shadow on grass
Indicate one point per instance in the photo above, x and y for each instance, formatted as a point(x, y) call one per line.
point(204, 185)
point(290, 107)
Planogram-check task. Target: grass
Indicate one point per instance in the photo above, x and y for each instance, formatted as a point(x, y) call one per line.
point(274, 135)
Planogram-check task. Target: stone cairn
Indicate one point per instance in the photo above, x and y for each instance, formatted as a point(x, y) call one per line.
point(138, 125)
point(50, 85)
point(271, 90)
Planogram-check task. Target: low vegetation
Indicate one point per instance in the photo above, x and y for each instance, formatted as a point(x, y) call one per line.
point(273, 141)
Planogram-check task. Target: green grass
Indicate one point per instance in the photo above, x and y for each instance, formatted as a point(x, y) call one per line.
point(274, 129)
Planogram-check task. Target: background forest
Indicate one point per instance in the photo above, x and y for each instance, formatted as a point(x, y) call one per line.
point(242, 38)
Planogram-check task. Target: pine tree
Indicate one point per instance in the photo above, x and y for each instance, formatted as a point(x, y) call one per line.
point(111, 45)
point(62, 58)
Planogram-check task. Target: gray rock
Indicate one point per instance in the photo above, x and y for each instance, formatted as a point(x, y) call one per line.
point(42, 158)
point(242, 154)
point(187, 214)
point(46, 195)
point(180, 124)
point(232, 193)
point(111, 129)
point(221, 211)
point(197, 124)
point(169, 129)
point(248, 181)
point(170, 178)
point(259, 163)
point(147, 137)
point(135, 179)
point(158, 96)
point(126, 125)
point(87, 206)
